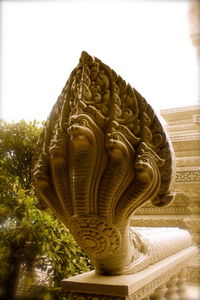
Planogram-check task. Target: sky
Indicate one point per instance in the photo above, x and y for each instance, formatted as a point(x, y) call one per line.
point(145, 42)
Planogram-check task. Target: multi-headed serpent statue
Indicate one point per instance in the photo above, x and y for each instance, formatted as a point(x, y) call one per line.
point(103, 153)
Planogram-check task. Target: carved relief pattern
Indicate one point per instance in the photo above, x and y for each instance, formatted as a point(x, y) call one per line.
point(162, 210)
point(159, 222)
point(186, 176)
point(195, 136)
point(149, 288)
point(193, 274)
point(103, 153)
point(83, 296)
point(96, 236)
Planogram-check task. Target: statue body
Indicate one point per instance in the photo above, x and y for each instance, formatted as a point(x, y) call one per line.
point(103, 153)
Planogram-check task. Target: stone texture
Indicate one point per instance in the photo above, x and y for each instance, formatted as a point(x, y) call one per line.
point(102, 155)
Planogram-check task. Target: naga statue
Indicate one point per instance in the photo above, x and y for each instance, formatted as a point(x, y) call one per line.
point(103, 154)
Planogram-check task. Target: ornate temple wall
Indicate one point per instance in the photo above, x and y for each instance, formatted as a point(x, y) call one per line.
point(183, 126)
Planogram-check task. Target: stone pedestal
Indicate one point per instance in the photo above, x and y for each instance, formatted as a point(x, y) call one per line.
point(135, 286)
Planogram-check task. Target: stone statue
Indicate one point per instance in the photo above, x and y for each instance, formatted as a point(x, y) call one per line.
point(103, 153)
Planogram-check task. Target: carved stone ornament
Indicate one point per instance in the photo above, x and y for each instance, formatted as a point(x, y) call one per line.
point(103, 154)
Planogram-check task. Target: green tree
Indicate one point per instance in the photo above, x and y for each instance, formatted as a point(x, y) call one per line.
point(29, 238)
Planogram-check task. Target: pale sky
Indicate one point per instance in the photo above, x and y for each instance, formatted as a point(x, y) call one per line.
point(146, 42)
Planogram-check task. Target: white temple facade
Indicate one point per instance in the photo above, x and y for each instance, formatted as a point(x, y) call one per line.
point(183, 126)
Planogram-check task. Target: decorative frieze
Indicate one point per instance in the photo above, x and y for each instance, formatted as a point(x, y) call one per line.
point(190, 161)
point(176, 129)
point(188, 168)
point(171, 113)
point(162, 211)
point(186, 146)
point(187, 176)
point(193, 274)
point(87, 296)
point(161, 221)
point(150, 287)
point(193, 136)
point(187, 154)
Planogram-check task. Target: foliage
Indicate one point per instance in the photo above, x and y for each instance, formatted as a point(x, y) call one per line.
point(30, 238)
point(40, 241)
point(17, 146)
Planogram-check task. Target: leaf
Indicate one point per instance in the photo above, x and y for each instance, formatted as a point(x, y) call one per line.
point(26, 232)
point(47, 296)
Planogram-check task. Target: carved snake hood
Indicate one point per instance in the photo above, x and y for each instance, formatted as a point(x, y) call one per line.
point(102, 154)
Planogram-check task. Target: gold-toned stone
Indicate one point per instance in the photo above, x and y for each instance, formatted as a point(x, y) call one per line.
point(102, 155)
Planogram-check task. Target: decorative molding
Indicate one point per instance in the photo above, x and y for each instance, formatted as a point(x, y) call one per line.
point(190, 161)
point(149, 288)
point(186, 153)
point(193, 274)
point(196, 118)
point(191, 145)
point(179, 110)
point(192, 137)
point(87, 296)
point(178, 128)
point(191, 190)
point(188, 168)
point(172, 221)
point(162, 211)
point(187, 176)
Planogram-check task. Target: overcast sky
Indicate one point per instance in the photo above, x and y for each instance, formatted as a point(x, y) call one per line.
point(146, 42)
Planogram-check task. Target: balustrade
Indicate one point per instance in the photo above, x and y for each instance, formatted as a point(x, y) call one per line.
point(102, 155)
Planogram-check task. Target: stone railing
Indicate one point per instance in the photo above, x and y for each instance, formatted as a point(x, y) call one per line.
point(161, 281)
point(102, 155)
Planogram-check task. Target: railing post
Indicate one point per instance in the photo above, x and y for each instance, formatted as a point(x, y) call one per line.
point(159, 293)
point(172, 288)
point(182, 275)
